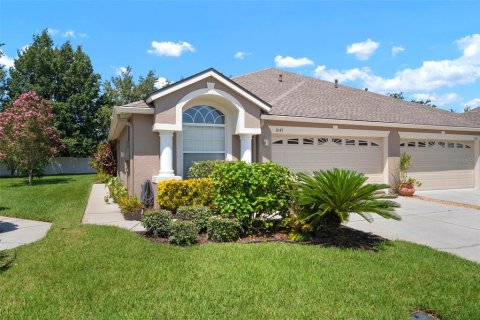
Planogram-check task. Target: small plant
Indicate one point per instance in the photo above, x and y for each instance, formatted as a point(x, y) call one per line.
point(157, 222)
point(203, 169)
point(130, 204)
point(116, 189)
point(404, 184)
point(327, 198)
point(183, 233)
point(176, 193)
point(299, 229)
point(222, 229)
point(197, 214)
point(106, 198)
point(103, 177)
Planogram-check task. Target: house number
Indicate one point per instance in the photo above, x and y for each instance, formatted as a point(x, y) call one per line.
point(278, 130)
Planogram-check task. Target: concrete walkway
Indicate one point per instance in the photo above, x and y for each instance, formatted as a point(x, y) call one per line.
point(446, 228)
point(466, 196)
point(106, 214)
point(15, 232)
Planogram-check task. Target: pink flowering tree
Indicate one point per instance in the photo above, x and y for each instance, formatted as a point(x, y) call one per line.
point(27, 136)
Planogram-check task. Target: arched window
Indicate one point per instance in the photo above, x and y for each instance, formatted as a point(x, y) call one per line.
point(203, 135)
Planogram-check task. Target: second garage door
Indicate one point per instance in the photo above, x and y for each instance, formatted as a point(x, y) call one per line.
point(303, 153)
point(441, 164)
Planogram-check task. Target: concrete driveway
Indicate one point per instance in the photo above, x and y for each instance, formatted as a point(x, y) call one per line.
point(466, 196)
point(446, 228)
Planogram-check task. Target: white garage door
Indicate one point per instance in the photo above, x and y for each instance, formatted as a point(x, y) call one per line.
point(441, 164)
point(303, 153)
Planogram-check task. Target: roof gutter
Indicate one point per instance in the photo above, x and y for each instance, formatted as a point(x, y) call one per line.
point(366, 123)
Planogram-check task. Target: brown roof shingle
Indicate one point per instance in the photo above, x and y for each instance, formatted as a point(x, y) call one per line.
point(301, 96)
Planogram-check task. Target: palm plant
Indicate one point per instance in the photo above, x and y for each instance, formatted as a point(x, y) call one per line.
point(329, 197)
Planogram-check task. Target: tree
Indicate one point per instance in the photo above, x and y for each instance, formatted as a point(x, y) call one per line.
point(398, 95)
point(3, 83)
point(426, 102)
point(66, 77)
point(27, 134)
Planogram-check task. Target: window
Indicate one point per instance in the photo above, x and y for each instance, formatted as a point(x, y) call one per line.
point(467, 146)
point(363, 143)
point(373, 144)
point(308, 141)
point(402, 144)
point(411, 144)
point(278, 142)
point(322, 141)
point(441, 144)
point(349, 142)
point(451, 145)
point(292, 141)
point(203, 135)
point(421, 144)
point(460, 145)
point(337, 141)
point(431, 143)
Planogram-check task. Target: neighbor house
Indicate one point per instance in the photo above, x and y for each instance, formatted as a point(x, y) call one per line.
point(299, 122)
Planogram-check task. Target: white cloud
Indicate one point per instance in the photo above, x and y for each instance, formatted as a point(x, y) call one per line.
point(161, 82)
point(6, 61)
point(429, 76)
point(170, 49)
point(437, 99)
point(24, 48)
point(472, 103)
point(396, 50)
point(241, 55)
point(120, 70)
point(82, 35)
point(52, 31)
point(363, 50)
point(69, 34)
point(289, 62)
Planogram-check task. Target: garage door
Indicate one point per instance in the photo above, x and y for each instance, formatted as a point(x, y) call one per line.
point(441, 164)
point(303, 153)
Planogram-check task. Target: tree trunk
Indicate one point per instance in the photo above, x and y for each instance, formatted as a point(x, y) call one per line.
point(30, 177)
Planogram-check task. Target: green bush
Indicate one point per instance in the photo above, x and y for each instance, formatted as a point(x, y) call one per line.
point(197, 214)
point(223, 229)
point(116, 189)
point(130, 204)
point(183, 233)
point(203, 169)
point(252, 192)
point(158, 222)
point(176, 193)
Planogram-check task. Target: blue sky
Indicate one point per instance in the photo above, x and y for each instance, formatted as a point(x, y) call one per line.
point(437, 53)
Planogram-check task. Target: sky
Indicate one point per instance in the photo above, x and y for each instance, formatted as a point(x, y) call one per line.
point(426, 49)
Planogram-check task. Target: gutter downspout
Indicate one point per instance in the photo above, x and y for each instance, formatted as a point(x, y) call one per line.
point(130, 153)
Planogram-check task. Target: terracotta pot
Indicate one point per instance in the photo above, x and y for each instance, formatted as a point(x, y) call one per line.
point(406, 190)
point(133, 215)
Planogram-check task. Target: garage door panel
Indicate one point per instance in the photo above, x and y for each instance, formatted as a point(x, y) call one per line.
point(444, 165)
point(313, 157)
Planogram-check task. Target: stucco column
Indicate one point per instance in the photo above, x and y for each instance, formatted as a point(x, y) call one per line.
point(166, 157)
point(246, 147)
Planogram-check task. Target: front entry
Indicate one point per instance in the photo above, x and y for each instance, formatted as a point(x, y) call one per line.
point(203, 135)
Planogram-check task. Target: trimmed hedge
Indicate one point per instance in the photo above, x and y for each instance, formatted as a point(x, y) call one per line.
point(176, 193)
point(203, 169)
point(158, 222)
point(223, 229)
point(197, 214)
point(183, 233)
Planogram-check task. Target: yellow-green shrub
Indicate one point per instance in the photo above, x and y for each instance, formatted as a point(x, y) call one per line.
point(176, 193)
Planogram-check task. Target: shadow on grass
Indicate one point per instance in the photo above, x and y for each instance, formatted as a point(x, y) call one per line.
point(6, 260)
point(4, 208)
point(43, 181)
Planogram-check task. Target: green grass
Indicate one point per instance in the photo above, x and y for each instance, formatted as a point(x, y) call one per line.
point(93, 272)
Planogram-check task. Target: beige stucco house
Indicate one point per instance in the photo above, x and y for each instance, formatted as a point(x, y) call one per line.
point(297, 121)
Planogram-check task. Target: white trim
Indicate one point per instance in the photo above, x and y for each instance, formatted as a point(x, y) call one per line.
point(476, 147)
point(120, 110)
point(284, 130)
point(366, 123)
point(205, 75)
point(436, 136)
point(386, 172)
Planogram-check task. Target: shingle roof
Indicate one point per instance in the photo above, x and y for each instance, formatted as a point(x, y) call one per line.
point(301, 96)
point(137, 104)
point(473, 115)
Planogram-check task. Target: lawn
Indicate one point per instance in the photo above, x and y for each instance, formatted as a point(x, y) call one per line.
point(94, 272)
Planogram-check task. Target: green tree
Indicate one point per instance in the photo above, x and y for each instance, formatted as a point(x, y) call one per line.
point(66, 77)
point(3, 83)
point(397, 95)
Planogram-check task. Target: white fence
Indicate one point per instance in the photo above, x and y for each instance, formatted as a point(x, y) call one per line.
point(61, 165)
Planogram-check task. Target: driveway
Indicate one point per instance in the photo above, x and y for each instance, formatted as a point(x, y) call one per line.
point(466, 196)
point(446, 228)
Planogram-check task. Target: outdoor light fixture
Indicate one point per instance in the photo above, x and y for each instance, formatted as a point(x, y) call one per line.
point(265, 142)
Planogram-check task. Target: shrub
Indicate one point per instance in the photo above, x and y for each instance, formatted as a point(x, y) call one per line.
point(130, 204)
point(183, 233)
point(157, 222)
point(175, 193)
point(203, 169)
point(252, 192)
point(222, 229)
point(103, 177)
point(116, 189)
point(328, 197)
point(103, 159)
point(197, 214)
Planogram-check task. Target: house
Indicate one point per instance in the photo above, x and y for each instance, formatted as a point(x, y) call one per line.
point(300, 122)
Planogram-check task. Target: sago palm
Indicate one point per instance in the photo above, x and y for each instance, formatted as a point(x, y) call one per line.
point(328, 197)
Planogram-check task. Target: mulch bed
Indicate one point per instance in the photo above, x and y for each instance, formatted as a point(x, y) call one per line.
point(347, 238)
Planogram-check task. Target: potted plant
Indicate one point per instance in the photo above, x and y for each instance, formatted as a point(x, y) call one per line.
point(406, 185)
point(131, 207)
